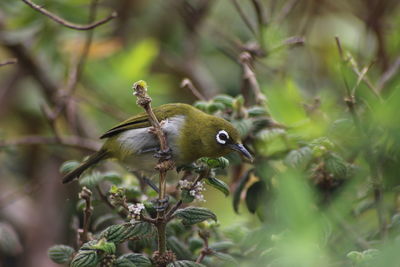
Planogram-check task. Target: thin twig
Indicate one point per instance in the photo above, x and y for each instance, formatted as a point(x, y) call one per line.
point(244, 17)
point(122, 213)
point(70, 24)
point(8, 62)
point(249, 78)
point(205, 250)
point(388, 74)
point(71, 141)
point(376, 175)
point(86, 195)
point(187, 83)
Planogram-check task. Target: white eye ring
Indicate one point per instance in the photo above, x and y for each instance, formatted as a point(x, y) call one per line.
point(220, 140)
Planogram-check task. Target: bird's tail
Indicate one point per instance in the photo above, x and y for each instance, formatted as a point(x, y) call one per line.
point(93, 159)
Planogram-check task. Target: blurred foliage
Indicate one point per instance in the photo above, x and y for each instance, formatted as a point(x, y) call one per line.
point(324, 187)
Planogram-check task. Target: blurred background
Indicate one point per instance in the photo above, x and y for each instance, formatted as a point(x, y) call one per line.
point(329, 173)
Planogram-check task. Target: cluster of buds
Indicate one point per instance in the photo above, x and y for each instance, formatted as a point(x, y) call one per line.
point(134, 211)
point(195, 190)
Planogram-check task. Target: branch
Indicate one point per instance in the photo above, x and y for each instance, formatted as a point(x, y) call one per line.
point(205, 250)
point(70, 24)
point(244, 17)
point(187, 83)
point(72, 141)
point(86, 195)
point(8, 62)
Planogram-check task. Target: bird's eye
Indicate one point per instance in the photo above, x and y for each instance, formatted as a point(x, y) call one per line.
point(222, 136)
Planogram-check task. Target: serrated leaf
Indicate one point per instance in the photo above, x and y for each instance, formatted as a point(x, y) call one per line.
point(224, 99)
point(214, 107)
point(299, 158)
point(255, 196)
point(69, 166)
point(335, 165)
point(225, 257)
point(85, 258)
point(122, 262)
point(238, 191)
point(218, 184)
point(60, 253)
point(91, 180)
point(202, 105)
point(193, 215)
point(103, 245)
point(113, 177)
point(257, 111)
point(138, 259)
point(243, 126)
point(121, 232)
point(179, 248)
point(185, 264)
point(9, 240)
point(220, 162)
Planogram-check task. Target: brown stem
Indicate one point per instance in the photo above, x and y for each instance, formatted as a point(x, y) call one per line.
point(86, 195)
point(67, 23)
point(205, 250)
point(165, 163)
point(187, 83)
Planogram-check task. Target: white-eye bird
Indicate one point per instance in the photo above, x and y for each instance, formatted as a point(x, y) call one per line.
point(191, 134)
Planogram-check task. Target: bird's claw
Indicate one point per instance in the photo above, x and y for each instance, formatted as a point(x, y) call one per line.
point(161, 204)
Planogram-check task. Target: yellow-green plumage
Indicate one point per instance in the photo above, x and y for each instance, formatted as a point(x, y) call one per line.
point(191, 134)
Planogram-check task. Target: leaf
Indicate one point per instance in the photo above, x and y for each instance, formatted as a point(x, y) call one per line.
point(69, 166)
point(214, 107)
point(185, 264)
point(91, 180)
point(113, 177)
point(193, 215)
point(222, 245)
point(224, 99)
point(138, 259)
point(122, 262)
point(103, 245)
point(60, 253)
point(121, 232)
point(335, 165)
point(257, 111)
point(186, 197)
point(85, 258)
point(225, 257)
point(255, 196)
point(9, 240)
point(218, 184)
point(179, 248)
point(299, 158)
point(238, 191)
point(195, 243)
point(214, 163)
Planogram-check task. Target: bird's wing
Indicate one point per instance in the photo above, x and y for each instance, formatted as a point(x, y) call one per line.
point(141, 120)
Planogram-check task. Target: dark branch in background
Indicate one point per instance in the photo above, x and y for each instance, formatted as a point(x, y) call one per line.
point(244, 17)
point(187, 83)
point(69, 24)
point(376, 176)
point(261, 21)
point(8, 62)
point(388, 74)
point(71, 141)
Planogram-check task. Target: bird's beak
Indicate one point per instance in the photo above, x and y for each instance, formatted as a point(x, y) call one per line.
point(242, 150)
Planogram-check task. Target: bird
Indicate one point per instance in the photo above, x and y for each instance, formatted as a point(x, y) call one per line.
point(191, 134)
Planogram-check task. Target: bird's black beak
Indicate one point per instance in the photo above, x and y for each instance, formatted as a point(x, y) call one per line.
point(242, 150)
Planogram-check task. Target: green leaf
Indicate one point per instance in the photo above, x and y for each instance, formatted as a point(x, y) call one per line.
point(225, 257)
point(179, 248)
point(113, 177)
point(238, 191)
point(255, 196)
point(220, 162)
point(69, 166)
point(299, 158)
point(214, 107)
point(138, 259)
point(121, 232)
point(257, 111)
point(103, 245)
point(335, 165)
point(193, 215)
point(91, 180)
point(85, 258)
point(355, 256)
point(185, 264)
point(222, 245)
point(186, 197)
point(202, 105)
point(224, 99)
point(218, 184)
point(123, 262)
point(60, 253)
point(195, 243)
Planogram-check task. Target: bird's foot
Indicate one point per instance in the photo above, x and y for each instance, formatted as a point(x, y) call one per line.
point(164, 154)
point(161, 204)
point(152, 130)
